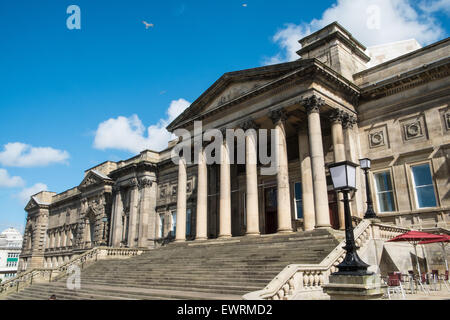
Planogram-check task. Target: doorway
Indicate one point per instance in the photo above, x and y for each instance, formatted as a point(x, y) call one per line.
point(333, 208)
point(270, 199)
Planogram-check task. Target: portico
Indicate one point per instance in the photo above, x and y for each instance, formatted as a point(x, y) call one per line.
point(301, 122)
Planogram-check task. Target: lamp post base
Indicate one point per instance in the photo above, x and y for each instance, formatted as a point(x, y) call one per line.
point(354, 287)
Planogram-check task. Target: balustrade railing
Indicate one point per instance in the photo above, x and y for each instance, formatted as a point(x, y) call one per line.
point(308, 279)
point(39, 275)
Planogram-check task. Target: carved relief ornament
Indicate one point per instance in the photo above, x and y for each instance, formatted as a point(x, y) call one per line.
point(313, 104)
point(278, 115)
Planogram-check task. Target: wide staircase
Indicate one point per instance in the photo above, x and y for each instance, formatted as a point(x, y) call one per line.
point(214, 269)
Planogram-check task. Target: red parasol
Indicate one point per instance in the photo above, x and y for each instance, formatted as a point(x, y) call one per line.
point(444, 239)
point(415, 237)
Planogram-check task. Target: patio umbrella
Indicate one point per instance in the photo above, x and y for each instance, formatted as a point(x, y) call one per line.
point(445, 239)
point(414, 238)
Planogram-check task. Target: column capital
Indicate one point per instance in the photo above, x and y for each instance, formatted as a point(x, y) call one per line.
point(116, 188)
point(349, 121)
point(337, 116)
point(278, 115)
point(313, 104)
point(145, 182)
point(249, 124)
point(133, 182)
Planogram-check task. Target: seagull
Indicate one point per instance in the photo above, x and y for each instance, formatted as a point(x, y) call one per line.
point(148, 25)
point(244, 5)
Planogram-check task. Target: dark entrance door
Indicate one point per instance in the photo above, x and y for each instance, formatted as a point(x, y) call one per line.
point(270, 196)
point(333, 207)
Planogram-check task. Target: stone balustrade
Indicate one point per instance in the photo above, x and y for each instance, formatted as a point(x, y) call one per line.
point(306, 280)
point(40, 275)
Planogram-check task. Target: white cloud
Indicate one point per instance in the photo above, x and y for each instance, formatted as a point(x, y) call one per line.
point(6, 181)
point(23, 155)
point(372, 22)
point(25, 194)
point(432, 6)
point(128, 134)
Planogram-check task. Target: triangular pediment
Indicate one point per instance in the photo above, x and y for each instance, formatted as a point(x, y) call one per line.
point(234, 85)
point(31, 204)
point(93, 178)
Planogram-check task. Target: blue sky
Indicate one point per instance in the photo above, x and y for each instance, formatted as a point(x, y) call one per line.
point(63, 91)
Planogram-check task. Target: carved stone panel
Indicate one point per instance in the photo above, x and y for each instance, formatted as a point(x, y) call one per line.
point(376, 139)
point(413, 128)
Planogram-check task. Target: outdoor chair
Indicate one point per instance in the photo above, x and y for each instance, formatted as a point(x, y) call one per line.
point(394, 285)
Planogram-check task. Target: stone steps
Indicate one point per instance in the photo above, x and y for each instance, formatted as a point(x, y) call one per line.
point(222, 269)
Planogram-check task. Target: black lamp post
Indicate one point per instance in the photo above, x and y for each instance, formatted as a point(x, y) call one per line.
point(343, 175)
point(365, 165)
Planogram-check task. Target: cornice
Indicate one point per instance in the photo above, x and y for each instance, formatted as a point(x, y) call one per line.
point(401, 82)
point(132, 168)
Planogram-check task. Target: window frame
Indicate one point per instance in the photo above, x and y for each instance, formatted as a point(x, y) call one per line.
point(374, 189)
point(412, 182)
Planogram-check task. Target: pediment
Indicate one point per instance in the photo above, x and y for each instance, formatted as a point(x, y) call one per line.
point(234, 85)
point(93, 178)
point(31, 205)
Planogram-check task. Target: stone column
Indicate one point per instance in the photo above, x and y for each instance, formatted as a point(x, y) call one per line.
point(337, 117)
point(251, 170)
point(283, 194)
point(202, 197)
point(116, 228)
point(309, 220)
point(181, 201)
point(312, 106)
point(225, 192)
point(352, 153)
point(145, 185)
point(134, 203)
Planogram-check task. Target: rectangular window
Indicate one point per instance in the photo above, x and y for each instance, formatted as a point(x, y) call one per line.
point(423, 186)
point(188, 222)
point(298, 200)
point(161, 225)
point(173, 228)
point(385, 192)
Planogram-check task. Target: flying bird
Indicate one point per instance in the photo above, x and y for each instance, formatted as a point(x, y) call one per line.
point(148, 25)
point(244, 5)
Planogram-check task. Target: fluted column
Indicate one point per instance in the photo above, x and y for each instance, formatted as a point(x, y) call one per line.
point(116, 232)
point(352, 154)
point(145, 185)
point(181, 201)
point(134, 203)
point(309, 219)
point(225, 192)
point(251, 170)
point(202, 197)
point(283, 194)
point(312, 106)
point(337, 117)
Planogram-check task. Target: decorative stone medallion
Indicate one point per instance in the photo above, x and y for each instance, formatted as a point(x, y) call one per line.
point(376, 139)
point(413, 130)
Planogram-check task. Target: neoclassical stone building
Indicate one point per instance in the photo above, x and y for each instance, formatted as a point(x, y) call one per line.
point(328, 106)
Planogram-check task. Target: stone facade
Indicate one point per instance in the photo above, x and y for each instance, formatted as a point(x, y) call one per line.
point(327, 106)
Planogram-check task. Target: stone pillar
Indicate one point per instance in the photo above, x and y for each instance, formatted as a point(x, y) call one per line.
point(225, 193)
point(181, 201)
point(145, 185)
point(283, 194)
point(202, 197)
point(352, 153)
point(309, 220)
point(312, 106)
point(134, 205)
point(116, 228)
point(251, 170)
point(337, 117)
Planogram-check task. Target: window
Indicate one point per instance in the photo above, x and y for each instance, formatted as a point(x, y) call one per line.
point(188, 222)
point(161, 225)
point(298, 200)
point(423, 186)
point(173, 228)
point(385, 193)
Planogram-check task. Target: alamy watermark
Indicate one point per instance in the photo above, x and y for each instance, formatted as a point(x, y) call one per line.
point(73, 22)
point(214, 142)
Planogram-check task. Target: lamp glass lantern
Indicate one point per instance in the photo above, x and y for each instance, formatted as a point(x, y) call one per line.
point(343, 175)
point(365, 163)
point(105, 219)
